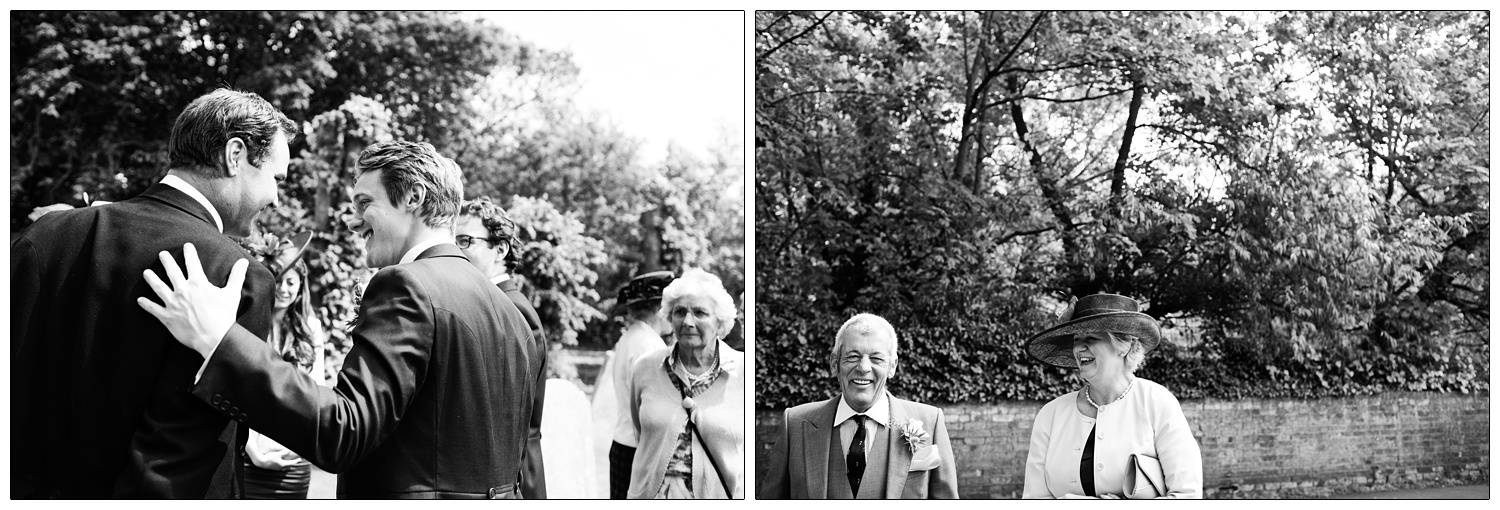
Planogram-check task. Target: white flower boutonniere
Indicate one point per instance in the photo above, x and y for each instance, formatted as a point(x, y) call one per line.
point(915, 437)
point(359, 294)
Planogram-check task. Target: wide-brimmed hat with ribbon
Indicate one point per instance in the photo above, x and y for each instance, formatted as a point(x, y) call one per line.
point(643, 288)
point(1098, 313)
point(287, 252)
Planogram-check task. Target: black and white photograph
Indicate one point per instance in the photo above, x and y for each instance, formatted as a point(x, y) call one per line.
point(378, 255)
point(1121, 255)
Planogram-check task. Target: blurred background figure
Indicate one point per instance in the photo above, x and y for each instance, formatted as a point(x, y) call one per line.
point(688, 400)
point(640, 299)
point(567, 435)
point(271, 470)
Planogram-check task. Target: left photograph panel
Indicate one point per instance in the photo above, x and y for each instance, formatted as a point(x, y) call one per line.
point(391, 255)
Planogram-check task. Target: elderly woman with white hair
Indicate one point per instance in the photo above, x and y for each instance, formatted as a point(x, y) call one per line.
point(1119, 436)
point(688, 400)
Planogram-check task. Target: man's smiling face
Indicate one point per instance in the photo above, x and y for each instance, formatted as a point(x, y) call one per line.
point(386, 227)
point(864, 362)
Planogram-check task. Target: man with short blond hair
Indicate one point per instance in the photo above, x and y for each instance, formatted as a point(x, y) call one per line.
point(435, 394)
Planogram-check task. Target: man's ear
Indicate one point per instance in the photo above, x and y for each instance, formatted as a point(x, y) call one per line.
point(414, 198)
point(500, 251)
point(235, 153)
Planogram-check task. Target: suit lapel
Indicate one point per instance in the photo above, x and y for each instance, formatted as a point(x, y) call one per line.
point(816, 434)
point(898, 460)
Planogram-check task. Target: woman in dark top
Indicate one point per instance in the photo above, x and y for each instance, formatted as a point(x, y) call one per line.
point(1082, 443)
point(271, 470)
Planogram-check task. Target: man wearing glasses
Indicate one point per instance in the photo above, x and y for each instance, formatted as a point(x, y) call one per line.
point(487, 236)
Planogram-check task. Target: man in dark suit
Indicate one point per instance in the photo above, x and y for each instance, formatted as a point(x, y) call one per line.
point(487, 237)
point(99, 394)
point(434, 396)
point(864, 443)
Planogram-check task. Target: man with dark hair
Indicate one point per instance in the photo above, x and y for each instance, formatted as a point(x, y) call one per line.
point(99, 393)
point(487, 237)
point(435, 395)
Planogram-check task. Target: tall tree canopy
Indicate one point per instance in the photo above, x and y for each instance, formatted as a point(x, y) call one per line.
point(94, 95)
point(1284, 190)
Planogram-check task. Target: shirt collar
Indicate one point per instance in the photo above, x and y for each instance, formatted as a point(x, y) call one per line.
point(181, 185)
point(498, 279)
point(421, 247)
point(880, 412)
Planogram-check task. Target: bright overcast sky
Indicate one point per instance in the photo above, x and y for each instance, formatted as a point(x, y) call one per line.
point(659, 76)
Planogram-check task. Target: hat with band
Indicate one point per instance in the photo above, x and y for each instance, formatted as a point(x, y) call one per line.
point(1098, 313)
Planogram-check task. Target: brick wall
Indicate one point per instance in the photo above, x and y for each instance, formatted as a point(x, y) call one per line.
point(1252, 447)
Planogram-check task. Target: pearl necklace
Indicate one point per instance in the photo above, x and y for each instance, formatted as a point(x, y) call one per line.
point(1117, 399)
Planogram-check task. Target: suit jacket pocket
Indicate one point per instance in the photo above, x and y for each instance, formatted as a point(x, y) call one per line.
point(916, 485)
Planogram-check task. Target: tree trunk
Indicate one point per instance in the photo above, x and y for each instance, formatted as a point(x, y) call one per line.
point(651, 243)
point(1117, 177)
point(1108, 262)
point(1050, 192)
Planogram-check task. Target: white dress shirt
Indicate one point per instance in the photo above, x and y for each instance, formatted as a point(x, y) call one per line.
point(880, 416)
point(411, 255)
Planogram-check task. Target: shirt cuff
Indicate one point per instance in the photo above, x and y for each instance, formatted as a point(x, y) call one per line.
point(205, 361)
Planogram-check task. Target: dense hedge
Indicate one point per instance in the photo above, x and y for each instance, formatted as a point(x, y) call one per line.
point(981, 360)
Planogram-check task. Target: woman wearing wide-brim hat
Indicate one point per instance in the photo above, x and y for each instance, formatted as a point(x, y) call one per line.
point(273, 471)
point(1118, 436)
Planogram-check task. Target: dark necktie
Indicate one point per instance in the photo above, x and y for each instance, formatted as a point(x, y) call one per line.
point(855, 461)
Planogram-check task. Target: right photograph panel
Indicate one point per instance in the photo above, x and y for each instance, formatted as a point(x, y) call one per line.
point(1122, 255)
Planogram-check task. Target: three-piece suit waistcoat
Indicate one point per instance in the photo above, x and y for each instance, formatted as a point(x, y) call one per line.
point(872, 484)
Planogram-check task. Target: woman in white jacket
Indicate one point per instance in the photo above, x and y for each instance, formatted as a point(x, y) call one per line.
point(1118, 436)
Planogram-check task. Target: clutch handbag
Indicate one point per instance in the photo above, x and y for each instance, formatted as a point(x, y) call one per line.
point(1145, 479)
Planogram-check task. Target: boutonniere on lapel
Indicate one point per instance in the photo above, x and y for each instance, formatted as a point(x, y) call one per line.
point(915, 437)
point(359, 294)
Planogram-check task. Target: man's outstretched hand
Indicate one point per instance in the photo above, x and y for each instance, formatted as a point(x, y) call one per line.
point(195, 311)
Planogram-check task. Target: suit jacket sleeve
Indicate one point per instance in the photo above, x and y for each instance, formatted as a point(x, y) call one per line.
point(776, 484)
point(25, 287)
point(945, 484)
point(533, 473)
point(333, 428)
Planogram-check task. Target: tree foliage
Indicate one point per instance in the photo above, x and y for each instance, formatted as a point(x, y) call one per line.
point(1283, 190)
point(95, 95)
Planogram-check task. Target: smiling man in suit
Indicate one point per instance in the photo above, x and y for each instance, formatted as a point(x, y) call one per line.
point(435, 395)
point(99, 392)
point(864, 443)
